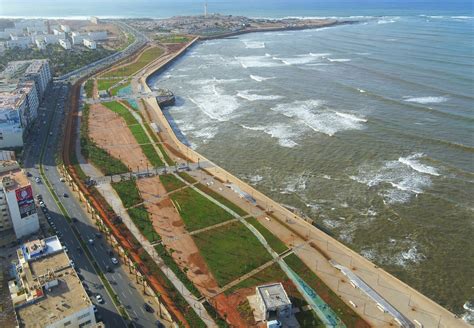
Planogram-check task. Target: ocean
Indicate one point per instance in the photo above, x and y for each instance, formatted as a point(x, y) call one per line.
point(365, 128)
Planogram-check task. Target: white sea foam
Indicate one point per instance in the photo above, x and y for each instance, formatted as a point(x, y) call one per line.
point(260, 78)
point(254, 44)
point(386, 21)
point(412, 162)
point(257, 61)
point(361, 90)
point(398, 180)
point(410, 256)
point(295, 184)
point(310, 114)
point(331, 223)
point(283, 133)
point(426, 100)
point(205, 134)
point(339, 60)
point(255, 179)
point(214, 103)
point(248, 95)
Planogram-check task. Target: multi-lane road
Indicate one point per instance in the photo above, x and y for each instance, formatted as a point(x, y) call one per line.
point(46, 135)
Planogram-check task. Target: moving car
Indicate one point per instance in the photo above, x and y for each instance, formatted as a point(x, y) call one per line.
point(114, 260)
point(148, 308)
point(99, 298)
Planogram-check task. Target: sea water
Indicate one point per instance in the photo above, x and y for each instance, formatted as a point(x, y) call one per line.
point(366, 128)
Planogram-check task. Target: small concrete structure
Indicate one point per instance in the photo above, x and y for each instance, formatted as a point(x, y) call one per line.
point(273, 302)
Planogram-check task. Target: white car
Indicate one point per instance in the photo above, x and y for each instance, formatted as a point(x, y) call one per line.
point(114, 260)
point(99, 298)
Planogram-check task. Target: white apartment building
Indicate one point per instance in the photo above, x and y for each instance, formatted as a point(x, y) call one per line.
point(65, 28)
point(19, 42)
point(22, 86)
point(98, 35)
point(53, 38)
point(90, 44)
point(65, 44)
point(59, 33)
point(20, 202)
point(78, 38)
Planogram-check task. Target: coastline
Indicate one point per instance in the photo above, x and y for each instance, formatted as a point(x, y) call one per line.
point(416, 300)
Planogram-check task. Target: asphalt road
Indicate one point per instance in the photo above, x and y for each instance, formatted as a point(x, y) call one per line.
point(129, 296)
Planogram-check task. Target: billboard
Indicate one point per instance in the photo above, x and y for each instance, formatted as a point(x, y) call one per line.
point(26, 201)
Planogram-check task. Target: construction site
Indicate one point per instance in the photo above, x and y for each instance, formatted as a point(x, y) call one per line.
point(203, 239)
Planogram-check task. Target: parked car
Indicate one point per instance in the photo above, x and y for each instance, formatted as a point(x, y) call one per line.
point(38, 180)
point(91, 241)
point(148, 308)
point(65, 195)
point(99, 298)
point(114, 260)
point(108, 269)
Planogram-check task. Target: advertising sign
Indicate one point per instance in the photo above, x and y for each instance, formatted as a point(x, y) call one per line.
point(26, 201)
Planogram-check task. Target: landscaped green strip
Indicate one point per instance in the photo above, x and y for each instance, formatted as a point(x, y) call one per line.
point(276, 244)
point(105, 84)
point(273, 273)
point(76, 232)
point(128, 192)
point(197, 211)
point(144, 59)
point(171, 183)
point(221, 323)
point(173, 38)
point(141, 218)
point(190, 315)
point(137, 131)
point(118, 108)
point(105, 162)
point(187, 177)
point(116, 89)
point(231, 251)
point(89, 88)
point(306, 318)
point(346, 313)
point(169, 261)
point(221, 199)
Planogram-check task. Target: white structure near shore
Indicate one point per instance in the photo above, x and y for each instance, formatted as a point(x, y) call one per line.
point(273, 302)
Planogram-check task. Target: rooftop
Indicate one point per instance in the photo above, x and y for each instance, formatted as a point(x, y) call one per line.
point(273, 295)
point(53, 290)
point(11, 176)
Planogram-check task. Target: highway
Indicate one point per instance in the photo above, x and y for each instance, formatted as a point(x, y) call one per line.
point(129, 296)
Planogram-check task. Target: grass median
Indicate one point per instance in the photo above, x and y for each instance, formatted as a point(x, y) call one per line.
point(144, 59)
point(276, 244)
point(231, 251)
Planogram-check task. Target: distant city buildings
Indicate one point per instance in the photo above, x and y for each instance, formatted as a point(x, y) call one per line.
point(22, 86)
point(46, 291)
point(17, 203)
point(39, 33)
point(90, 44)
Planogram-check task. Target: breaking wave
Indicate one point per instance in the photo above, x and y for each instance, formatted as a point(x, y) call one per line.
point(426, 100)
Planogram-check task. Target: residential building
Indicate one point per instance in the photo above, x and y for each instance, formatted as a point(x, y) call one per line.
point(19, 42)
point(20, 203)
point(90, 44)
point(273, 302)
point(78, 38)
point(22, 87)
point(40, 44)
point(65, 43)
point(65, 28)
point(53, 38)
point(59, 33)
point(94, 20)
point(97, 36)
point(46, 291)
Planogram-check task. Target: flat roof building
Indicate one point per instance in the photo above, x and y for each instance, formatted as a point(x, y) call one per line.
point(65, 43)
point(46, 291)
point(91, 44)
point(17, 204)
point(273, 301)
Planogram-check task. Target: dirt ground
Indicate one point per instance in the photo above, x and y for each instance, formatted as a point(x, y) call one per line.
point(111, 133)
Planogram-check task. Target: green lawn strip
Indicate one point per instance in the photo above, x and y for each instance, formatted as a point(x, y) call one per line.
point(221, 199)
point(197, 211)
point(114, 91)
point(193, 319)
point(169, 261)
point(141, 218)
point(155, 139)
point(118, 108)
point(144, 59)
point(128, 192)
point(276, 244)
point(171, 183)
point(105, 162)
point(308, 318)
point(273, 273)
point(105, 84)
point(221, 323)
point(89, 88)
point(137, 131)
point(187, 177)
point(173, 38)
point(346, 313)
point(231, 251)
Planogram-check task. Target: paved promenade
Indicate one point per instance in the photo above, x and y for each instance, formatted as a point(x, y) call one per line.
point(417, 308)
